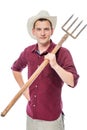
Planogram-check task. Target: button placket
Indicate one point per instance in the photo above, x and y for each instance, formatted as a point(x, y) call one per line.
point(35, 96)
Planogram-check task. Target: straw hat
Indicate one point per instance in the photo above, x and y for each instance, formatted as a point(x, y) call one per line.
point(41, 14)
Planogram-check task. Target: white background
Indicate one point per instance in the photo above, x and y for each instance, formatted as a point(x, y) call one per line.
point(14, 38)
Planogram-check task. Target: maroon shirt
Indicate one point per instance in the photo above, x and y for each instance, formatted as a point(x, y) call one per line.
point(45, 92)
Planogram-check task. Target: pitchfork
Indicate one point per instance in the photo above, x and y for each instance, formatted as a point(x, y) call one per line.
point(45, 62)
point(75, 28)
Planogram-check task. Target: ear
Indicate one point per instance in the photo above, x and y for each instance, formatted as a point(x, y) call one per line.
point(33, 32)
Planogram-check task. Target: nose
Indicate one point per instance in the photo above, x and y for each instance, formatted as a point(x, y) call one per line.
point(42, 32)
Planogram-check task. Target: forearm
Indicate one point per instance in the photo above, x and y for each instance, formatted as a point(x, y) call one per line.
point(66, 76)
point(19, 79)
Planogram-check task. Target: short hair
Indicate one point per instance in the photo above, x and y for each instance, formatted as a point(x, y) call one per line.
point(42, 19)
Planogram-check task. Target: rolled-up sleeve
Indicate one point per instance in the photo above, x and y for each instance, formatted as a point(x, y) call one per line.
point(20, 63)
point(66, 61)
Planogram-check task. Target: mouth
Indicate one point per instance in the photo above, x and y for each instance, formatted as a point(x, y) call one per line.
point(42, 38)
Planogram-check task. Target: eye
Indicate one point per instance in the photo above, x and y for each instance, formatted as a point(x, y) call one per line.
point(38, 29)
point(46, 29)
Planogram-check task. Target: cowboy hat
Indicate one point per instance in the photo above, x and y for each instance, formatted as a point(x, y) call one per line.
point(41, 14)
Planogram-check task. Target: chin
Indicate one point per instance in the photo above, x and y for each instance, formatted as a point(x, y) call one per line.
point(44, 42)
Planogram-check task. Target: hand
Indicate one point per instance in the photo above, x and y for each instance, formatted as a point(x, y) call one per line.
point(52, 59)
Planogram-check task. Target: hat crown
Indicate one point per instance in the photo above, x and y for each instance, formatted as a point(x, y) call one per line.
point(43, 13)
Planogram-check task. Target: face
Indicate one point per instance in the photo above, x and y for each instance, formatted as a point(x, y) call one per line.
point(42, 31)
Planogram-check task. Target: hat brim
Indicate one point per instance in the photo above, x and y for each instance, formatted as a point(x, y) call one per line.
point(31, 21)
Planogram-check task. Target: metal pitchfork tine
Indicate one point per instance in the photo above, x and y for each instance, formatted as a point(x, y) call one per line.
point(44, 63)
point(68, 28)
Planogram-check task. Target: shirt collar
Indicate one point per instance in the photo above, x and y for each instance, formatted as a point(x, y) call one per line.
point(52, 45)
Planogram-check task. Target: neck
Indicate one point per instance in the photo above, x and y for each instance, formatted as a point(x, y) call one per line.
point(44, 47)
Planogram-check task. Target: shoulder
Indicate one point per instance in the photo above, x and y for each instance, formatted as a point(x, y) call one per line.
point(27, 50)
point(64, 55)
point(31, 47)
point(63, 51)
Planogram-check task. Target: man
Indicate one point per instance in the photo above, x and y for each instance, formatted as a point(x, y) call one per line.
point(44, 108)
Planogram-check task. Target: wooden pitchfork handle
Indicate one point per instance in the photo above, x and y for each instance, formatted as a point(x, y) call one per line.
point(33, 77)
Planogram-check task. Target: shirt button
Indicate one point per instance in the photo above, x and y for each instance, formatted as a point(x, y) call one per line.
point(36, 86)
point(34, 105)
point(35, 96)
